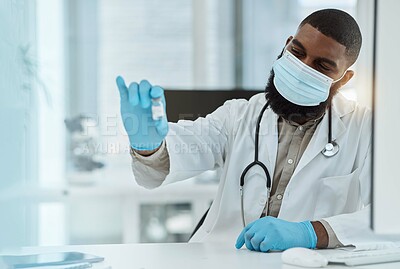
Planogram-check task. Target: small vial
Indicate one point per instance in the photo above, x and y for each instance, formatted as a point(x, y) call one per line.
point(157, 108)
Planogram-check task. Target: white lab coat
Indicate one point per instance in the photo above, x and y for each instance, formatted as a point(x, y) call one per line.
point(335, 189)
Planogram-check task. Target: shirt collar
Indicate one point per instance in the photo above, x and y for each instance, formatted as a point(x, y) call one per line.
point(340, 104)
point(307, 125)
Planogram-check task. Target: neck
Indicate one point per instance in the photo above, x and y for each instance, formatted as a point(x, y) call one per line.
point(301, 119)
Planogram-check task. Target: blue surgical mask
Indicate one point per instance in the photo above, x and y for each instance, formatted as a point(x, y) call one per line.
point(299, 83)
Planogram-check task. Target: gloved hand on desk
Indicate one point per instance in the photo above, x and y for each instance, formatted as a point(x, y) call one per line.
point(145, 133)
point(270, 233)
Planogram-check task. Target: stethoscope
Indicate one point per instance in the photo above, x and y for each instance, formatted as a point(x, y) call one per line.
point(330, 150)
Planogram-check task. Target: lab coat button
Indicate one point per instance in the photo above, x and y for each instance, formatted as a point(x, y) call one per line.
point(290, 161)
point(262, 201)
point(279, 197)
point(301, 128)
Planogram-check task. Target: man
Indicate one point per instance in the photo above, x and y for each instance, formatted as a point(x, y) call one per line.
point(318, 199)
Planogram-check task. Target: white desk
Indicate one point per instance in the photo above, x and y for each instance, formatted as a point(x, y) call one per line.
point(184, 255)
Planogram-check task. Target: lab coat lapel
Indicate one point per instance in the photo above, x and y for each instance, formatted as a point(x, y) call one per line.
point(320, 139)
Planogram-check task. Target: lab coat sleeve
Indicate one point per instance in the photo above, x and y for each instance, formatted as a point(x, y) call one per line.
point(191, 147)
point(200, 145)
point(333, 241)
point(150, 171)
point(354, 228)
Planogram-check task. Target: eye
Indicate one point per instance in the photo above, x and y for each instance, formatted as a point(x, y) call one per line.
point(324, 67)
point(296, 51)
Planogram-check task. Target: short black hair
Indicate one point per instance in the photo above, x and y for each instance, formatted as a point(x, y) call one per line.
point(340, 26)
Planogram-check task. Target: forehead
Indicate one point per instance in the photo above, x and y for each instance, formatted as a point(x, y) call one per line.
point(319, 45)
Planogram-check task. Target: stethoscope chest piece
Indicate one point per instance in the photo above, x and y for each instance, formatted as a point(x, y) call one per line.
point(331, 149)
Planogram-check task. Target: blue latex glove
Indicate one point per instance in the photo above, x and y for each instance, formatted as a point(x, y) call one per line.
point(270, 233)
point(144, 132)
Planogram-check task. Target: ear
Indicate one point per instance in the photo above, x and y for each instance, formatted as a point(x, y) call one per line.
point(349, 74)
point(288, 40)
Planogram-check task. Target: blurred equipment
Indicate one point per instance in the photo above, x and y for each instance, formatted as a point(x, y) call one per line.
point(168, 223)
point(83, 143)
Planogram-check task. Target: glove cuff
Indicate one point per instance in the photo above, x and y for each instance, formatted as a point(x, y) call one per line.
point(311, 234)
point(146, 146)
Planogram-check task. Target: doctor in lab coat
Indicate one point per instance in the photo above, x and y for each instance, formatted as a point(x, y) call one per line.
point(316, 201)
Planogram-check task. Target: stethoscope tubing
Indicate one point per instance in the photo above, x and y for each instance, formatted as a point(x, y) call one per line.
point(255, 163)
point(331, 149)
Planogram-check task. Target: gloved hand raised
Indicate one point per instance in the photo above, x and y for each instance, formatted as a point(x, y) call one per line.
point(136, 102)
point(270, 233)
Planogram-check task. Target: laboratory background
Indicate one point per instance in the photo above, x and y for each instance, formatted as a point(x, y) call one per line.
point(66, 174)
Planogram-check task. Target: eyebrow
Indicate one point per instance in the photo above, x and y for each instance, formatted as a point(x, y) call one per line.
point(298, 44)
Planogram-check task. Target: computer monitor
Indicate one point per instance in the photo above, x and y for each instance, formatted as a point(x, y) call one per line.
point(386, 127)
point(191, 104)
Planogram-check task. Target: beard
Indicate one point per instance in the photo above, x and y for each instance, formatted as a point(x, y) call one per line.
point(290, 111)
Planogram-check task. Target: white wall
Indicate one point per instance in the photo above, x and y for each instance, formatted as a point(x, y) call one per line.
point(265, 30)
point(387, 128)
